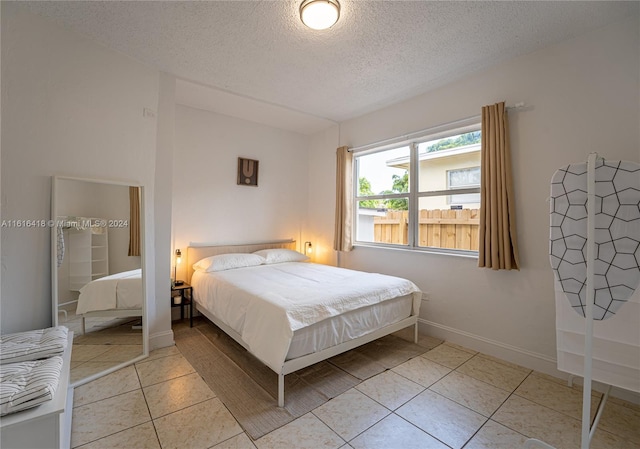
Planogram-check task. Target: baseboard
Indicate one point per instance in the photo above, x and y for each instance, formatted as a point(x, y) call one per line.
point(513, 354)
point(529, 359)
point(161, 340)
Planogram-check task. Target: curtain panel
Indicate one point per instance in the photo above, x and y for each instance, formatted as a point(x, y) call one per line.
point(134, 221)
point(343, 238)
point(498, 247)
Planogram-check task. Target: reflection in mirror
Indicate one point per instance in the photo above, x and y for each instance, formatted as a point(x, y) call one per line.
point(98, 283)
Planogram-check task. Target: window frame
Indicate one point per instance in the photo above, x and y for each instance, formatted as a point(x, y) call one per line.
point(414, 195)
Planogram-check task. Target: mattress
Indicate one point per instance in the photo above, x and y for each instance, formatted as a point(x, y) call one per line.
point(116, 291)
point(286, 310)
point(349, 326)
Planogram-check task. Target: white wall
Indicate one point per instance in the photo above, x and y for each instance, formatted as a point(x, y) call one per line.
point(208, 205)
point(584, 97)
point(69, 107)
point(160, 317)
point(319, 227)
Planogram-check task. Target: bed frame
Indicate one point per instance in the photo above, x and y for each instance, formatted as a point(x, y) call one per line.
point(115, 313)
point(195, 253)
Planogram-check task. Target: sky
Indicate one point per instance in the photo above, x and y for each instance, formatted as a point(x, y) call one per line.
point(374, 168)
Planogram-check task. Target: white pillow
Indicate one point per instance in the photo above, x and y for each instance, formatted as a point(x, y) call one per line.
point(229, 261)
point(280, 255)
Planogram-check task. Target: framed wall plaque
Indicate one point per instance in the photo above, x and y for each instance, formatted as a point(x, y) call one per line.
point(247, 172)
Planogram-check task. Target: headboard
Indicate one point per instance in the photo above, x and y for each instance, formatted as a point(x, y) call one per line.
point(195, 253)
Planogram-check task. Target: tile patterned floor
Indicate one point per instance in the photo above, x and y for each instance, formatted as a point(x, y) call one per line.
point(448, 398)
point(106, 343)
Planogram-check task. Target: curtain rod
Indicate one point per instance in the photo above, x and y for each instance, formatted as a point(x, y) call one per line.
point(463, 122)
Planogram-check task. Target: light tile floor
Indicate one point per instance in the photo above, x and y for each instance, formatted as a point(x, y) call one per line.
point(107, 342)
point(448, 398)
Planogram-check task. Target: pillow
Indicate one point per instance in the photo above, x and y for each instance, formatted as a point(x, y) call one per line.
point(281, 255)
point(229, 261)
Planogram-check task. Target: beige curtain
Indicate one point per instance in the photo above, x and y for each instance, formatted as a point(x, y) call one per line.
point(498, 248)
point(344, 200)
point(134, 221)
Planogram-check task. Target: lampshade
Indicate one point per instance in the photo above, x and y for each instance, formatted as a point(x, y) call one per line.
point(178, 254)
point(319, 14)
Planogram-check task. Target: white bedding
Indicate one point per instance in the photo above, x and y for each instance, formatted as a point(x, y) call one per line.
point(116, 291)
point(268, 303)
point(349, 326)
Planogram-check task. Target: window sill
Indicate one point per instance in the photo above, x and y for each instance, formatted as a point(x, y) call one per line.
point(437, 251)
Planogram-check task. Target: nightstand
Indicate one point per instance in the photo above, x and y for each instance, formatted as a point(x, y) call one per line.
point(185, 291)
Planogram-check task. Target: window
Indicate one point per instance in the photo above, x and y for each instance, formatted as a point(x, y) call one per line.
point(403, 194)
point(463, 178)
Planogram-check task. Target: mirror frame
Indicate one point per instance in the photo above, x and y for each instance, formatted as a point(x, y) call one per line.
point(143, 265)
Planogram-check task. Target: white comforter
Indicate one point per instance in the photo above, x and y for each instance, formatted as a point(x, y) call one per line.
point(116, 291)
point(267, 303)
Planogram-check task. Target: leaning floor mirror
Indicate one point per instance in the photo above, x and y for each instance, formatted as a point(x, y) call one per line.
point(98, 273)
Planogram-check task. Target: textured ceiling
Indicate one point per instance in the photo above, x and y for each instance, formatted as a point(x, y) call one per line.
point(379, 53)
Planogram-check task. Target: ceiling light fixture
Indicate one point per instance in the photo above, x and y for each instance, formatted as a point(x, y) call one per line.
point(319, 14)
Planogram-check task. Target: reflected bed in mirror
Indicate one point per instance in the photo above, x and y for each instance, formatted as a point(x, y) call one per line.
point(98, 278)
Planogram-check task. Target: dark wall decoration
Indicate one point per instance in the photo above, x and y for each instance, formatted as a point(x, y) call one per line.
point(247, 172)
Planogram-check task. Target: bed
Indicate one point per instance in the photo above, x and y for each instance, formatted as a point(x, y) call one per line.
point(116, 295)
point(292, 313)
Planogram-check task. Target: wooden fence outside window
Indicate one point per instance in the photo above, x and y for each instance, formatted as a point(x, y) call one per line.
point(439, 228)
